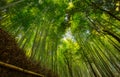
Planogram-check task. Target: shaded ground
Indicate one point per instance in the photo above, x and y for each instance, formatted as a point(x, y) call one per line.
point(10, 53)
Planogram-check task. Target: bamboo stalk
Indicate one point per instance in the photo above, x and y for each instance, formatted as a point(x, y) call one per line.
point(10, 5)
point(20, 69)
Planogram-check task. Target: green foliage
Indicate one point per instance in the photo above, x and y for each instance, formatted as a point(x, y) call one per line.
point(79, 38)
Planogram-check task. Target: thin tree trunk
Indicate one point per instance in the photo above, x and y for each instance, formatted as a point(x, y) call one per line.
point(20, 69)
point(11, 4)
point(118, 18)
point(113, 35)
point(69, 66)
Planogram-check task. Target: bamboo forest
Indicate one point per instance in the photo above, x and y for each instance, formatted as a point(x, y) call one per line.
point(59, 38)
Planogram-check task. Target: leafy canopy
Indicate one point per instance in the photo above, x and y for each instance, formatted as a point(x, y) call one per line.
point(74, 38)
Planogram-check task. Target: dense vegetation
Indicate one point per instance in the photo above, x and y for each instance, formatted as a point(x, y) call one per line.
point(11, 54)
point(74, 38)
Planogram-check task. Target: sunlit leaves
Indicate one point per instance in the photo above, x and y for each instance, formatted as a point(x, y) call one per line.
point(117, 6)
point(104, 16)
point(70, 6)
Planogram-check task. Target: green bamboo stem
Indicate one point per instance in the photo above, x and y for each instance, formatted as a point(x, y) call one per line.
point(10, 5)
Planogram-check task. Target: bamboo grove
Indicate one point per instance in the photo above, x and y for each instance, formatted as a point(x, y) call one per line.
point(74, 38)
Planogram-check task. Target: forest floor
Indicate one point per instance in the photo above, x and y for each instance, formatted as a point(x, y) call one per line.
point(10, 53)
